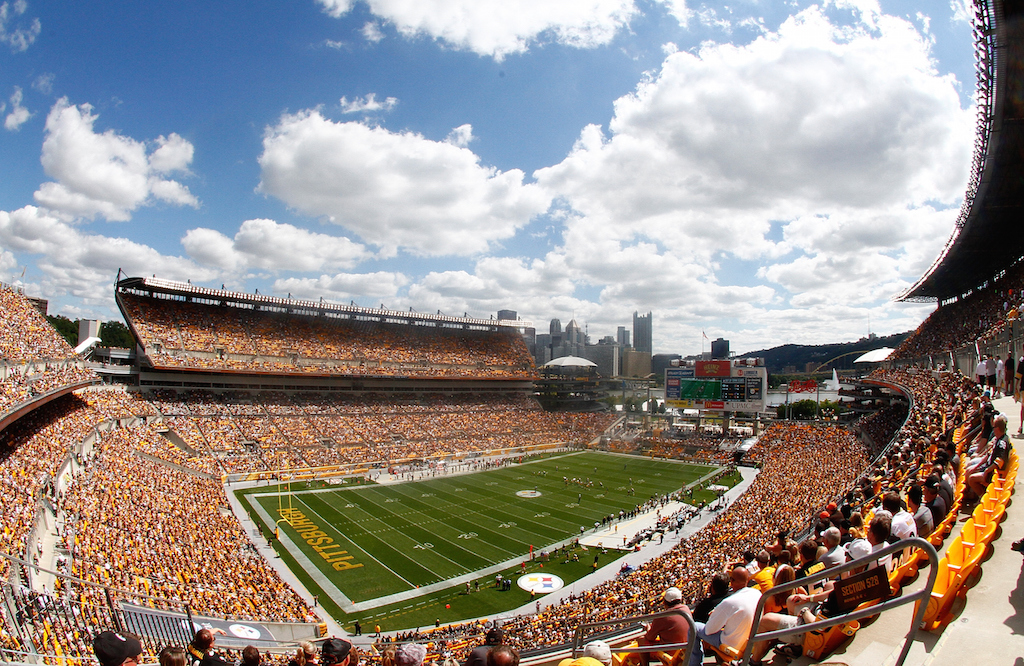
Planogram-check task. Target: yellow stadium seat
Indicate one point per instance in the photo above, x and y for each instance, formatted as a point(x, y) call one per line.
point(942, 604)
point(906, 569)
point(620, 658)
point(820, 644)
point(989, 510)
point(724, 654)
point(972, 533)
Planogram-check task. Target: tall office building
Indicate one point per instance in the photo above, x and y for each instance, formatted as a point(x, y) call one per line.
point(642, 332)
point(622, 337)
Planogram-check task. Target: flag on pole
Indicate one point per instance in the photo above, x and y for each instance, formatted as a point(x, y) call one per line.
point(705, 335)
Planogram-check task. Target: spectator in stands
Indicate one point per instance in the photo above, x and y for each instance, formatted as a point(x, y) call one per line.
point(878, 537)
point(1009, 370)
point(173, 656)
point(306, 654)
point(835, 554)
point(114, 649)
point(598, 650)
point(902, 522)
point(922, 515)
point(718, 589)
point(478, 657)
point(250, 656)
point(200, 650)
point(410, 654)
point(998, 459)
point(668, 629)
point(502, 655)
point(730, 622)
point(799, 611)
point(764, 579)
point(809, 562)
point(933, 500)
point(335, 652)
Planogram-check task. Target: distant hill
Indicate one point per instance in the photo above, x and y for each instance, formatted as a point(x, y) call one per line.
point(779, 359)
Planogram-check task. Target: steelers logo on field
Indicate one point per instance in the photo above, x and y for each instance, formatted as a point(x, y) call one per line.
point(528, 493)
point(541, 583)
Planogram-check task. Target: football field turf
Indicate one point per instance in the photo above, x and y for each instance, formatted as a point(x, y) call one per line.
point(376, 540)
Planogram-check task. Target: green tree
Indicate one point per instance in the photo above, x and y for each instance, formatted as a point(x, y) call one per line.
point(799, 410)
point(115, 334)
point(67, 328)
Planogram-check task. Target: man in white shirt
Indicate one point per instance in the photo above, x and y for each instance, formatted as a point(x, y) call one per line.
point(729, 624)
point(902, 525)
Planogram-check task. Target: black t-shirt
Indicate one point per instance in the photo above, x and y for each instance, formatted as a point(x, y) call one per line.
point(703, 610)
point(1000, 452)
point(810, 569)
point(939, 509)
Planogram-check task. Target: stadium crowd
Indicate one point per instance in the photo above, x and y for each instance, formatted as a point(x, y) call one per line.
point(34, 358)
point(180, 334)
point(243, 432)
point(979, 316)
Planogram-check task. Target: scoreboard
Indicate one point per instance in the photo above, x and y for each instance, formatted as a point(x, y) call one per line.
point(719, 385)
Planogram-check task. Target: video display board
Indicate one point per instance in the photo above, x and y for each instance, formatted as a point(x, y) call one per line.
point(717, 385)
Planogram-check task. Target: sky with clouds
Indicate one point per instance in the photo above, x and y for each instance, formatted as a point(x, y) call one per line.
point(769, 172)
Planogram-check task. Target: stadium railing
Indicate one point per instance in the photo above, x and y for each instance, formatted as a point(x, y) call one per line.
point(861, 611)
point(61, 623)
point(686, 648)
point(58, 624)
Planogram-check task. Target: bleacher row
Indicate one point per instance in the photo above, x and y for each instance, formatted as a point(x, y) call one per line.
point(180, 334)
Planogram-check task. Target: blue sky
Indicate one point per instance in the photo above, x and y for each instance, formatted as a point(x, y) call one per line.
point(769, 172)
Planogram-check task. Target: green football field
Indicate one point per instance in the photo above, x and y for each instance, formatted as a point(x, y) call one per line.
point(367, 542)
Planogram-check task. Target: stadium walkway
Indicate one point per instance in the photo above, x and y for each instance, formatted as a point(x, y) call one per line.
point(991, 628)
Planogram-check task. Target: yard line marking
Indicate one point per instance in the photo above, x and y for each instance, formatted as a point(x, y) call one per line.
point(389, 528)
point(357, 545)
point(441, 521)
point(463, 567)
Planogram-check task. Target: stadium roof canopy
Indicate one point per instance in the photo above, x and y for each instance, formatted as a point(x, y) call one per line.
point(987, 238)
point(875, 355)
point(570, 362)
point(189, 292)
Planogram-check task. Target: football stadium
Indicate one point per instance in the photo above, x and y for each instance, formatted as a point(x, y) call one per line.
point(278, 471)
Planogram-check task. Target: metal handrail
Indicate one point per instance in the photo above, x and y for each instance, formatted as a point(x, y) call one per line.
point(834, 572)
point(577, 640)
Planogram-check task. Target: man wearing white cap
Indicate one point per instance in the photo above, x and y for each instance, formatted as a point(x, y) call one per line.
point(598, 650)
point(668, 629)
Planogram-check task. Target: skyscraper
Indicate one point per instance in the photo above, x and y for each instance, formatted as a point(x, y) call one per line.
point(622, 337)
point(642, 332)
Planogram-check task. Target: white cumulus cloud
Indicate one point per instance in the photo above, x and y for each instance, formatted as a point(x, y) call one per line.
point(367, 104)
point(269, 245)
point(19, 115)
point(106, 173)
point(82, 264)
point(344, 286)
point(394, 189)
point(500, 27)
point(16, 32)
point(845, 138)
